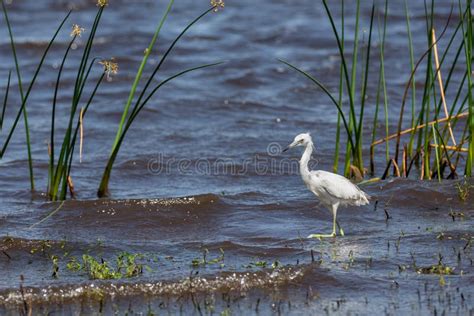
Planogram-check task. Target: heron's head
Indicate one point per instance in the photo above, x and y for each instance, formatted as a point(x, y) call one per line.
point(300, 140)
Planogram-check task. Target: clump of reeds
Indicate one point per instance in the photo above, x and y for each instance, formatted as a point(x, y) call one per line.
point(61, 161)
point(23, 95)
point(354, 120)
point(435, 141)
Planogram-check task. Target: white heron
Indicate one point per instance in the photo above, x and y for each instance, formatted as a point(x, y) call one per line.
point(331, 189)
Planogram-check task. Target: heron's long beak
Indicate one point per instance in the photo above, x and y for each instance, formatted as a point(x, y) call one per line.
point(289, 146)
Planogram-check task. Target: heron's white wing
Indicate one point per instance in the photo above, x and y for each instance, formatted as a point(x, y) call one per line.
point(340, 188)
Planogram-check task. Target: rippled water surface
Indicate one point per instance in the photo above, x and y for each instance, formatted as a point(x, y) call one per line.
point(199, 188)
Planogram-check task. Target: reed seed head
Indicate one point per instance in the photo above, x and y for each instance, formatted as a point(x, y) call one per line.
point(102, 3)
point(217, 4)
point(76, 30)
point(110, 67)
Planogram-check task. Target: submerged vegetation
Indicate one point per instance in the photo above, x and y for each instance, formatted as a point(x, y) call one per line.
point(126, 266)
point(434, 137)
point(464, 189)
point(60, 164)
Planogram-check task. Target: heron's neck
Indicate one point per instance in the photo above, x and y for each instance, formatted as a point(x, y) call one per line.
point(305, 159)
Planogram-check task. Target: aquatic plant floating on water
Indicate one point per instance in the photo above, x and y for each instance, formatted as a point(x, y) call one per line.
point(332, 189)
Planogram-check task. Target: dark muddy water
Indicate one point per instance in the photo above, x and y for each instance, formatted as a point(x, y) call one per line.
point(201, 173)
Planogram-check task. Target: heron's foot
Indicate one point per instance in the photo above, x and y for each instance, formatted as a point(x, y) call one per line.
point(320, 236)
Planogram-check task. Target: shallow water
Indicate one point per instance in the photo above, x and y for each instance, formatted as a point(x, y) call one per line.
point(202, 171)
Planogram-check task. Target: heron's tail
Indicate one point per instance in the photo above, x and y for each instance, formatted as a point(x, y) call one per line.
point(363, 198)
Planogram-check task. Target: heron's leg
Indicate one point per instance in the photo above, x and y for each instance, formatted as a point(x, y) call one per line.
point(333, 234)
point(341, 232)
point(334, 212)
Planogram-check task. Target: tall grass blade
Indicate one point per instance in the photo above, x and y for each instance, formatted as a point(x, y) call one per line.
point(103, 191)
point(413, 81)
point(364, 92)
point(166, 54)
point(437, 154)
point(326, 91)
point(407, 86)
point(5, 101)
point(352, 91)
point(343, 60)
point(381, 85)
point(104, 184)
point(467, 38)
point(140, 72)
point(33, 80)
point(60, 177)
point(76, 131)
point(341, 91)
point(445, 149)
point(20, 86)
point(383, 81)
point(53, 119)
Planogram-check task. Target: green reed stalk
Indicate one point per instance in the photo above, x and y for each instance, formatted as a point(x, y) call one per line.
point(443, 146)
point(364, 90)
point(374, 126)
point(326, 91)
point(381, 85)
point(437, 154)
point(352, 115)
point(467, 38)
point(133, 116)
point(85, 108)
point(33, 80)
point(5, 101)
point(463, 138)
point(341, 91)
point(427, 90)
point(53, 119)
point(81, 79)
point(20, 86)
point(384, 83)
point(355, 51)
point(413, 84)
point(57, 188)
point(74, 137)
point(64, 164)
point(455, 103)
point(103, 190)
point(139, 73)
point(351, 91)
point(427, 87)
